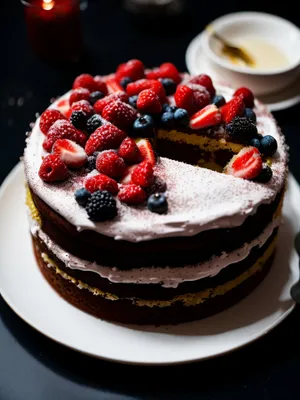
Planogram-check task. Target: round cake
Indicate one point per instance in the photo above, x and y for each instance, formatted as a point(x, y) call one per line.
point(154, 197)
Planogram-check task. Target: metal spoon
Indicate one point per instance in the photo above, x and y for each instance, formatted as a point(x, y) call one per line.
point(295, 289)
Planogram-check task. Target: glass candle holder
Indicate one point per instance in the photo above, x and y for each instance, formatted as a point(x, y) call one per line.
point(54, 29)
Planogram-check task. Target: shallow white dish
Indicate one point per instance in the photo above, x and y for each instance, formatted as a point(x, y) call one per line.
point(197, 62)
point(33, 299)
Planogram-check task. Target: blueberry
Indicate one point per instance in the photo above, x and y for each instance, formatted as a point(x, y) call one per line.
point(78, 119)
point(169, 86)
point(166, 107)
point(250, 114)
point(93, 123)
point(255, 142)
point(259, 136)
point(132, 101)
point(125, 81)
point(181, 117)
point(95, 96)
point(265, 175)
point(167, 119)
point(157, 203)
point(81, 196)
point(218, 100)
point(143, 126)
point(268, 145)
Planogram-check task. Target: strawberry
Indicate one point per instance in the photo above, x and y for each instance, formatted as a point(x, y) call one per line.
point(247, 164)
point(120, 114)
point(70, 152)
point(129, 151)
point(234, 108)
point(113, 85)
point(132, 194)
point(53, 169)
point(143, 174)
point(62, 129)
point(133, 69)
point(87, 81)
point(126, 177)
point(48, 118)
point(110, 164)
point(247, 96)
point(168, 70)
point(184, 98)
point(84, 106)
point(79, 94)
point(148, 102)
point(204, 80)
point(135, 88)
point(64, 108)
point(207, 116)
point(106, 137)
point(100, 104)
point(153, 74)
point(146, 151)
point(101, 182)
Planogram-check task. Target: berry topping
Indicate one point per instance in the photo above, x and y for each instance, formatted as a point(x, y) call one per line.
point(62, 129)
point(84, 106)
point(132, 194)
point(104, 138)
point(79, 94)
point(101, 182)
point(184, 98)
point(204, 80)
point(120, 114)
point(250, 114)
point(268, 145)
point(181, 117)
point(157, 203)
point(93, 123)
point(143, 174)
point(124, 82)
point(129, 151)
point(265, 175)
point(208, 116)
point(133, 100)
point(100, 104)
point(110, 164)
point(78, 119)
point(167, 118)
point(247, 96)
point(101, 206)
point(143, 127)
point(53, 169)
point(133, 69)
point(146, 151)
point(91, 161)
point(135, 88)
point(70, 152)
point(81, 196)
point(48, 118)
point(247, 164)
point(242, 129)
point(219, 100)
point(95, 96)
point(234, 108)
point(148, 101)
point(169, 86)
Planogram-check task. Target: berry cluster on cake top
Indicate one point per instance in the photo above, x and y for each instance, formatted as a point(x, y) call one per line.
point(107, 127)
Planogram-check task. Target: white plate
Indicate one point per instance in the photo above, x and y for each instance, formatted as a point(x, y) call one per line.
point(197, 62)
point(27, 292)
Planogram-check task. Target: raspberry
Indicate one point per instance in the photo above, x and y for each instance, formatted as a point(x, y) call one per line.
point(204, 80)
point(110, 164)
point(132, 194)
point(100, 104)
point(79, 94)
point(101, 182)
point(87, 81)
point(100, 85)
point(104, 138)
point(201, 96)
point(184, 98)
point(101, 206)
point(247, 96)
point(120, 114)
point(62, 129)
point(83, 105)
point(148, 101)
point(133, 69)
point(129, 151)
point(48, 118)
point(135, 88)
point(234, 108)
point(143, 174)
point(53, 169)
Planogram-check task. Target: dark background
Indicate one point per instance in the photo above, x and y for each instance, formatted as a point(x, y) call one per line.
point(33, 367)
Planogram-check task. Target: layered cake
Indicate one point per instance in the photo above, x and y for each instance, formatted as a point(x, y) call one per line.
point(154, 197)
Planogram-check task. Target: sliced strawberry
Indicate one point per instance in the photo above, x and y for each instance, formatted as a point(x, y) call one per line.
point(120, 114)
point(79, 94)
point(135, 88)
point(100, 104)
point(64, 108)
point(70, 152)
point(204, 80)
point(106, 137)
point(101, 182)
point(132, 194)
point(234, 108)
point(126, 177)
point(143, 174)
point(110, 164)
point(113, 85)
point(53, 169)
point(247, 164)
point(62, 129)
point(146, 150)
point(129, 151)
point(247, 95)
point(148, 102)
point(48, 118)
point(207, 116)
point(133, 69)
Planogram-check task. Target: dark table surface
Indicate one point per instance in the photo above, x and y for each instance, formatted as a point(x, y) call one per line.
point(33, 367)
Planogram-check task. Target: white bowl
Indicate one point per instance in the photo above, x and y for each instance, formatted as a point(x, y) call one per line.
point(265, 27)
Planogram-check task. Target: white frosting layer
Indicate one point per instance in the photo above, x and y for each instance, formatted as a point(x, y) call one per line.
point(167, 277)
point(199, 199)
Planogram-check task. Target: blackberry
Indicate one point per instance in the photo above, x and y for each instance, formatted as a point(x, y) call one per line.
point(91, 161)
point(169, 86)
point(157, 203)
point(81, 196)
point(242, 129)
point(93, 123)
point(125, 81)
point(95, 96)
point(265, 175)
point(78, 119)
point(101, 206)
